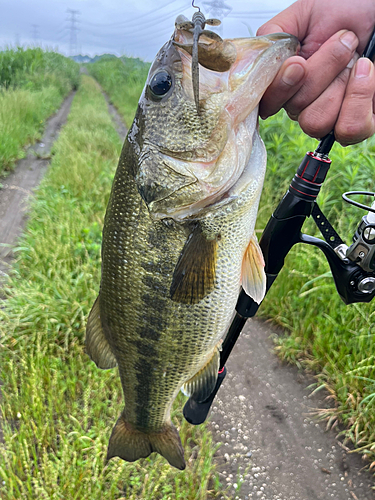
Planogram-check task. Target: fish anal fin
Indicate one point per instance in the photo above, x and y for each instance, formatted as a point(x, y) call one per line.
point(130, 444)
point(97, 346)
point(203, 383)
point(253, 275)
point(195, 272)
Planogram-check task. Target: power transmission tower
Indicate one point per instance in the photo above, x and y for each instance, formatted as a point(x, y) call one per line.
point(217, 9)
point(73, 44)
point(35, 33)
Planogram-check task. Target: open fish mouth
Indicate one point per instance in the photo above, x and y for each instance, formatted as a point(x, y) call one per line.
point(210, 177)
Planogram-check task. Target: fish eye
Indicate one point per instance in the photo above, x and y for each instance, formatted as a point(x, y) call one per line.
point(160, 84)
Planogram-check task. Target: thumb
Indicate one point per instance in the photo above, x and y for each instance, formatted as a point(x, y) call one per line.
point(268, 28)
point(356, 120)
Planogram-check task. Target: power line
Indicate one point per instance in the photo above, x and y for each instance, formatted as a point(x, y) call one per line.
point(131, 21)
point(144, 26)
point(251, 12)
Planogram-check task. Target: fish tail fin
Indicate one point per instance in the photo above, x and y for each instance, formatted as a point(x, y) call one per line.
point(131, 444)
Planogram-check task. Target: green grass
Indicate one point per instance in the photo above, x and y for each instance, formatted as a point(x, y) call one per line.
point(331, 339)
point(33, 84)
point(120, 78)
point(57, 408)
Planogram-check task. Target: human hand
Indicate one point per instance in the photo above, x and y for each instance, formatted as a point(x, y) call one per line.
point(318, 87)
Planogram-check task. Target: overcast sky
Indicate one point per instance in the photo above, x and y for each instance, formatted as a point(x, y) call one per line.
point(132, 27)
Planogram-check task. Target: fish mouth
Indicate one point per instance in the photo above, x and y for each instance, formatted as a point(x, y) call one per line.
point(209, 179)
point(257, 63)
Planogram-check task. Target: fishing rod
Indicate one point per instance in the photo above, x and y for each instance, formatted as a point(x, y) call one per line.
point(353, 268)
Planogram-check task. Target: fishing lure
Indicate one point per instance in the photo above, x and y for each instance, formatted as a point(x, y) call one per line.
point(197, 27)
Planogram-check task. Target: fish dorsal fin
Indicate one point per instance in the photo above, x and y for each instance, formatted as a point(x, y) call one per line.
point(203, 383)
point(195, 271)
point(97, 346)
point(253, 275)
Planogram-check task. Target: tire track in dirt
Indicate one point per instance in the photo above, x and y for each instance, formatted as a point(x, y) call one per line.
point(18, 186)
point(118, 122)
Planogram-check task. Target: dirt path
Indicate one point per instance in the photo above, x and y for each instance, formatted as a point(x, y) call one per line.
point(117, 120)
point(262, 415)
point(18, 186)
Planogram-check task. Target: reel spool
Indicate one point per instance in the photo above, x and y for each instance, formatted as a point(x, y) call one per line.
point(362, 250)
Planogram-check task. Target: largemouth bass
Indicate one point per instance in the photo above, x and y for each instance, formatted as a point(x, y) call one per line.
point(178, 237)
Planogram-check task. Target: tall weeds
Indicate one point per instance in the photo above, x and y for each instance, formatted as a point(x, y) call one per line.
point(33, 84)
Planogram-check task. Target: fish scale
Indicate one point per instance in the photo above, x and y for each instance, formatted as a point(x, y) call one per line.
point(178, 237)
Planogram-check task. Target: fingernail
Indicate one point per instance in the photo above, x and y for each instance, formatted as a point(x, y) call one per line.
point(353, 60)
point(349, 40)
point(293, 74)
point(362, 68)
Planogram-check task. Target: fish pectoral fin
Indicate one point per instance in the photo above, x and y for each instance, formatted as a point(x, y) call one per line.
point(203, 383)
point(130, 444)
point(253, 275)
point(97, 346)
point(195, 272)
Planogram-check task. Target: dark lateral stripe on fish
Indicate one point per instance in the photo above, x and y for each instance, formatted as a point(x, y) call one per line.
point(149, 281)
point(149, 333)
point(147, 349)
point(144, 375)
point(153, 301)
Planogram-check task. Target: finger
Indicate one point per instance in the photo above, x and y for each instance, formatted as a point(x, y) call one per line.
point(286, 83)
point(319, 118)
point(322, 68)
point(356, 120)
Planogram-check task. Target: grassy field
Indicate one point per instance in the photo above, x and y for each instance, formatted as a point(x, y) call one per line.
point(119, 77)
point(58, 409)
point(33, 84)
